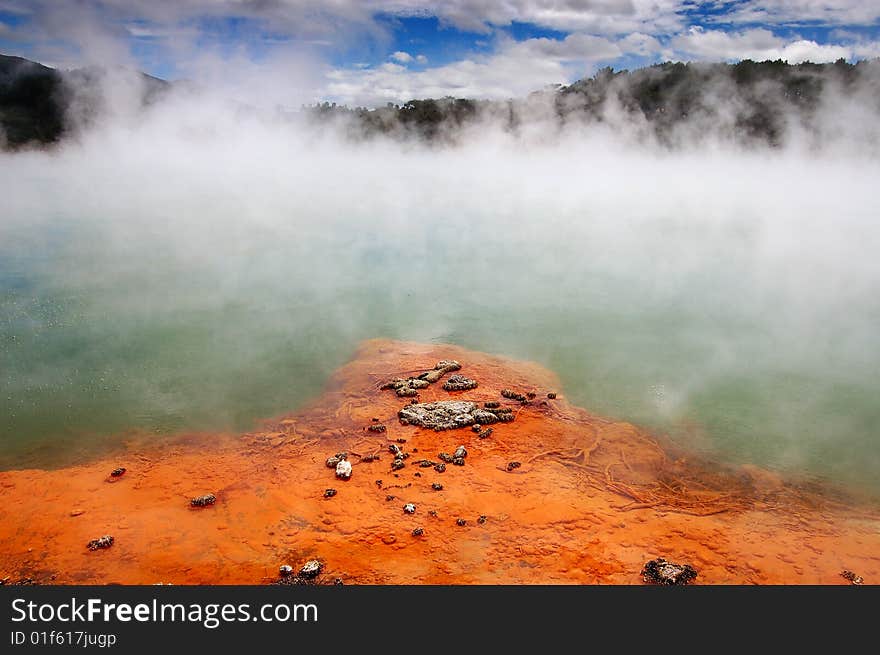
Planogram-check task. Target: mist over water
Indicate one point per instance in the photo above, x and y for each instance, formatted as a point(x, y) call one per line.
point(203, 268)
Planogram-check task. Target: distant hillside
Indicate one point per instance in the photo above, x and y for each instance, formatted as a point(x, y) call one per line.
point(672, 102)
point(32, 102)
point(748, 101)
point(38, 104)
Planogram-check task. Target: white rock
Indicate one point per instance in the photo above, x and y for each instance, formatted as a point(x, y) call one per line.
point(343, 470)
point(311, 568)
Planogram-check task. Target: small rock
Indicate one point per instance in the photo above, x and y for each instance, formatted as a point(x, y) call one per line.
point(459, 383)
point(77, 512)
point(203, 501)
point(500, 415)
point(440, 369)
point(377, 428)
point(332, 462)
point(394, 449)
point(294, 581)
point(659, 571)
point(338, 582)
point(440, 467)
point(437, 486)
point(513, 395)
point(409, 508)
point(461, 451)
point(482, 519)
point(285, 569)
point(458, 461)
point(485, 433)
point(389, 497)
point(343, 470)
point(426, 463)
point(551, 396)
point(311, 569)
point(531, 395)
point(329, 493)
point(418, 532)
point(379, 483)
point(852, 577)
point(476, 427)
point(446, 457)
point(513, 465)
point(397, 464)
point(117, 472)
point(100, 543)
point(460, 522)
point(432, 512)
point(492, 404)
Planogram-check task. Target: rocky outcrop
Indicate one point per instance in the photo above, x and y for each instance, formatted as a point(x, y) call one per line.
point(451, 414)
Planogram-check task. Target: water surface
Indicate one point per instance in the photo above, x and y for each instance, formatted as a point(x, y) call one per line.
point(735, 309)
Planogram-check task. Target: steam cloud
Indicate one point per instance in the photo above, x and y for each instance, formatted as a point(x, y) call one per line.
point(214, 262)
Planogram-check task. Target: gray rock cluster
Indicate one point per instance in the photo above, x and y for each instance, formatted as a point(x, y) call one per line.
point(459, 383)
point(100, 543)
point(659, 571)
point(452, 414)
point(409, 387)
point(203, 501)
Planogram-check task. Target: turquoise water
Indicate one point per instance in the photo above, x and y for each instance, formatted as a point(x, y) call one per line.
point(714, 333)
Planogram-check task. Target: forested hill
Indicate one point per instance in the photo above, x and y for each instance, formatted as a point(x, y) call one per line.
point(748, 101)
point(745, 102)
point(38, 104)
point(31, 102)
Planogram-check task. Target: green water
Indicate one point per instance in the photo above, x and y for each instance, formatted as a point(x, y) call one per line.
point(163, 344)
point(158, 308)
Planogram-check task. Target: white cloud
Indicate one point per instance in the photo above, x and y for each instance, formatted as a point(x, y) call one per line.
point(500, 76)
point(605, 17)
point(321, 18)
point(389, 67)
point(757, 44)
point(797, 12)
point(73, 32)
point(640, 44)
point(98, 31)
point(514, 70)
point(866, 49)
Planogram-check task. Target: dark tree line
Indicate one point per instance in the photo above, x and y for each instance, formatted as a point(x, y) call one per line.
point(747, 101)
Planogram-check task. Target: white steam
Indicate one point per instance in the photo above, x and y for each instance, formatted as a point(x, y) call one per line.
point(667, 286)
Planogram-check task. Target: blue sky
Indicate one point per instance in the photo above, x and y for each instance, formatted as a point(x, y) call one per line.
point(375, 51)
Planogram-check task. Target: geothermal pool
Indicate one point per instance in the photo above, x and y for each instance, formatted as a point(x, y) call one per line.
point(727, 300)
point(552, 494)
